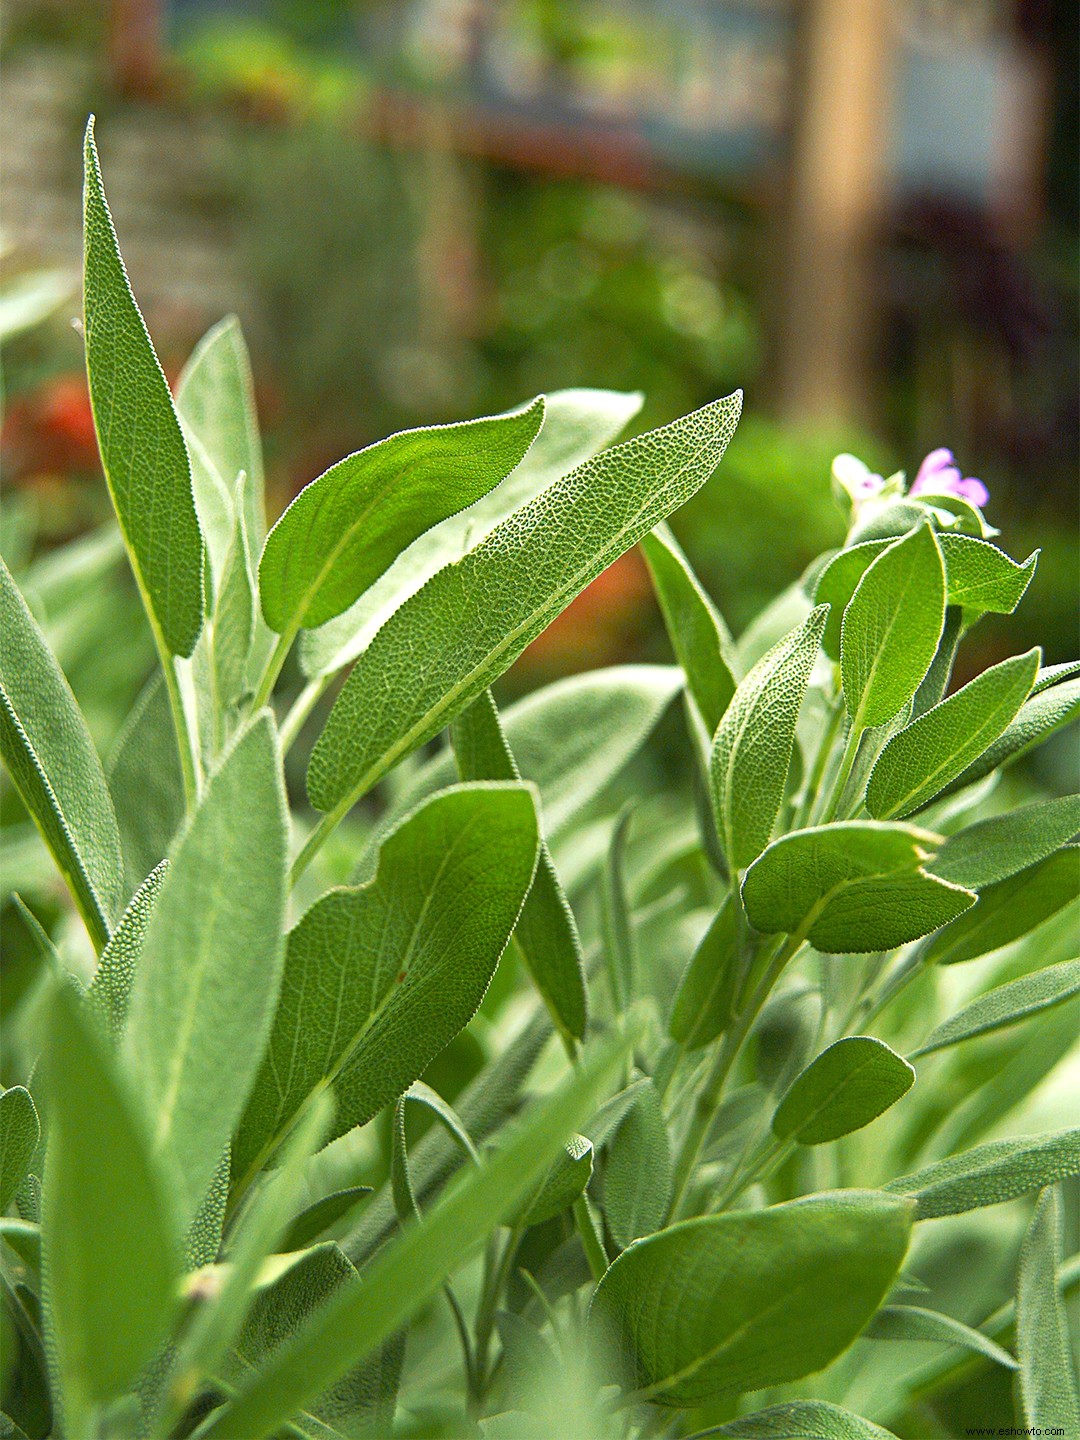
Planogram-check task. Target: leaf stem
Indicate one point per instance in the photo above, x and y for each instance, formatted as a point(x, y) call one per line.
point(821, 761)
point(843, 775)
point(591, 1242)
point(300, 709)
point(277, 659)
point(185, 740)
point(318, 838)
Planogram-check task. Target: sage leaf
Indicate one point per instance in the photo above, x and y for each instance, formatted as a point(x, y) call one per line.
point(146, 783)
point(854, 886)
point(345, 529)
point(990, 1174)
point(577, 424)
point(546, 933)
point(838, 582)
point(20, 1131)
point(315, 1220)
point(752, 749)
point(51, 758)
point(992, 850)
point(1054, 674)
point(357, 1319)
point(110, 990)
point(638, 1176)
point(1006, 1005)
point(702, 642)
point(1043, 714)
point(204, 992)
point(616, 916)
point(442, 648)
point(801, 1420)
point(1011, 908)
point(850, 1084)
point(911, 1322)
point(564, 1182)
point(1047, 1379)
point(108, 1227)
point(921, 759)
point(891, 628)
point(704, 1001)
point(981, 578)
point(233, 626)
point(765, 1296)
point(406, 957)
point(142, 447)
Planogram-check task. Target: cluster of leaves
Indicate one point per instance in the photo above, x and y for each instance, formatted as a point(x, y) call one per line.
point(655, 1160)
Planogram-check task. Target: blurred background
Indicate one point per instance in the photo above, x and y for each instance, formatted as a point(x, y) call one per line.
point(864, 212)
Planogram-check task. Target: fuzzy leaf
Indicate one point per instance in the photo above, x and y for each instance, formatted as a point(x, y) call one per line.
point(752, 749)
point(204, 993)
point(638, 1177)
point(802, 1420)
point(406, 960)
point(564, 1182)
point(234, 624)
point(706, 994)
point(891, 628)
point(921, 759)
point(315, 1220)
point(1054, 674)
point(1009, 909)
point(702, 642)
point(20, 1131)
point(110, 991)
point(470, 622)
point(991, 1174)
point(980, 577)
point(765, 1296)
point(838, 582)
point(1040, 716)
point(855, 886)
point(1006, 1005)
point(994, 849)
point(850, 1084)
point(911, 1322)
point(146, 782)
point(1047, 1379)
point(142, 447)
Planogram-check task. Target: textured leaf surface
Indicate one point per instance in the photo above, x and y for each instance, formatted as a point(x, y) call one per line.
point(706, 993)
point(564, 1182)
point(891, 628)
point(234, 624)
point(470, 622)
point(1009, 909)
point(994, 849)
point(1006, 1005)
point(404, 962)
point(838, 582)
point(207, 982)
point(854, 886)
point(406, 1274)
point(51, 758)
point(110, 1242)
point(1039, 717)
point(142, 447)
point(313, 1222)
point(345, 529)
point(638, 1177)
point(146, 783)
point(911, 1322)
point(765, 1296)
point(921, 759)
point(110, 990)
point(546, 930)
point(577, 424)
point(702, 642)
point(1047, 1379)
point(992, 1173)
point(20, 1131)
point(752, 749)
point(803, 1420)
point(1054, 674)
point(982, 578)
point(851, 1083)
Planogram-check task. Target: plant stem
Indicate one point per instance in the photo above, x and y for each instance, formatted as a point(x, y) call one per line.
point(495, 1279)
point(847, 762)
point(273, 668)
point(821, 762)
point(317, 839)
point(301, 708)
point(185, 741)
point(590, 1237)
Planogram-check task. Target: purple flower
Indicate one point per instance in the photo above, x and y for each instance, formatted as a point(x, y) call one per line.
point(940, 475)
point(856, 478)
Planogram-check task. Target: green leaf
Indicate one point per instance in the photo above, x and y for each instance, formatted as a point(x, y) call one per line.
point(854, 886)
point(442, 648)
point(146, 782)
point(838, 582)
point(215, 397)
point(51, 758)
point(234, 624)
point(402, 1278)
point(204, 993)
point(910, 1322)
point(801, 1420)
point(850, 1084)
point(108, 1228)
point(891, 628)
point(577, 424)
point(994, 849)
point(752, 749)
point(20, 1131)
point(991, 1174)
point(1047, 1379)
point(110, 990)
point(1054, 674)
point(764, 1296)
point(702, 642)
point(314, 1221)
point(705, 998)
point(1006, 1005)
point(1011, 908)
point(546, 931)
point(980, 577)
point(921, 759)
point(563, 1183)
point(346, 528)
point(638, 1177)
point(142, 447)
point(1040, 716)
point(616, 917)
point(406, 959)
